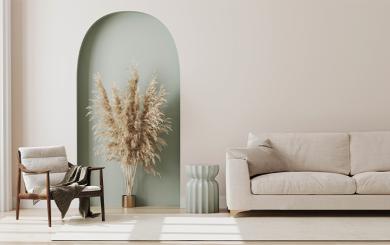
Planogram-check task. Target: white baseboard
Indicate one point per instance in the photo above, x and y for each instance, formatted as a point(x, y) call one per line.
point(222, 202)
point(75, 203)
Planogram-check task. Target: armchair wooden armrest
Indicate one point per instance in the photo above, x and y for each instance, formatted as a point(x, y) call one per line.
point(96, 168)
point(90, 168)
point(26, 195)
point(25, 170)
point(101, 184)
point(100, 174)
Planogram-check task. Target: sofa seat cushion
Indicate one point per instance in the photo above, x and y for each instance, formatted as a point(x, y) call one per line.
point(374, 183)
point(303, 183)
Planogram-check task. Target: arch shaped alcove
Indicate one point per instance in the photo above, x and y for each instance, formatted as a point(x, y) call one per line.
point(111, 45)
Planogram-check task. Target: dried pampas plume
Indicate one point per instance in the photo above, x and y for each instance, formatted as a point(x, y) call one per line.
point(130, 126)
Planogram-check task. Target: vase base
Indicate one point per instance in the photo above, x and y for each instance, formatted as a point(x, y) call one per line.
point(128, 201)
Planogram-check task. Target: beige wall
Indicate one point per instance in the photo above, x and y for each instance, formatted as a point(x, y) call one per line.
point(298, 65)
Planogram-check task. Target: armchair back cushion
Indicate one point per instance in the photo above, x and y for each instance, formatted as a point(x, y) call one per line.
point(51, 158)
point(316, 152)
point(38, 181)
point(370, 152)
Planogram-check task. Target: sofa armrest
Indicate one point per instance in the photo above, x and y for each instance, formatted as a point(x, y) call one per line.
point(238, 190)
point(237, 153)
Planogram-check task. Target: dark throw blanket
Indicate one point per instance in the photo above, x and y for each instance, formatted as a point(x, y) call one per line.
point(75, 180)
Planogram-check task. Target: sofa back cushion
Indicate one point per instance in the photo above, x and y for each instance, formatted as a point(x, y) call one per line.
point(316, 152)
point(370, 152)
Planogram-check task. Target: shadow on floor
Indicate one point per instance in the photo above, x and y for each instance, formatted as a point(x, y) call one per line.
point(314, 213)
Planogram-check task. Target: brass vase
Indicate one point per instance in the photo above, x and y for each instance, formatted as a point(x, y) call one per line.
point(128, 201)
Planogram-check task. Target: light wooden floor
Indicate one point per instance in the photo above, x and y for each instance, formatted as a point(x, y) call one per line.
point(32, 229)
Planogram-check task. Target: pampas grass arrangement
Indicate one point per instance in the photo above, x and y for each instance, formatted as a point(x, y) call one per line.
point(130, 125)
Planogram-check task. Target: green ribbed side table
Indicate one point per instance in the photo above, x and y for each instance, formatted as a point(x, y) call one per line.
point(202, 189)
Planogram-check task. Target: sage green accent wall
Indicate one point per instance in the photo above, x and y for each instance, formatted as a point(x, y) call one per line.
point(111, 45)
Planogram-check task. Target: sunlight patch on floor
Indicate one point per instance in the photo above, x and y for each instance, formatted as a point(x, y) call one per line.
point(199, 228)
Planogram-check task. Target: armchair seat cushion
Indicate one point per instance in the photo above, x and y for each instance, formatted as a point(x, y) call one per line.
point(373, 183)
point(91, 188)
point(303, 183)
point(37, 181)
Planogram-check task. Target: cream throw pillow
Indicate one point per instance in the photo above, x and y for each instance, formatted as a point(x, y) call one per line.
point(254, 140)
point(261, 160)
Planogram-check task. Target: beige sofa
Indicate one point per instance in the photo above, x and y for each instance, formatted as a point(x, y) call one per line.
point(323, 171)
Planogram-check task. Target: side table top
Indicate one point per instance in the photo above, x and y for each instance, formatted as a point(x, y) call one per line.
point(202, 171)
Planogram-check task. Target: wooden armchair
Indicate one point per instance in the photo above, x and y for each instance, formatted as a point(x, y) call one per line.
point(45, 166)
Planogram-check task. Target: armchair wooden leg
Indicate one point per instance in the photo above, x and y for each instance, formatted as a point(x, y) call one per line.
point(102, 207)
point(49, 211)
point(102, 195)
point(18, 197)
point(48, 198)
point(17, 207)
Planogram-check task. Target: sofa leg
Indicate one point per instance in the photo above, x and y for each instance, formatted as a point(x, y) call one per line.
point(233, 213)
